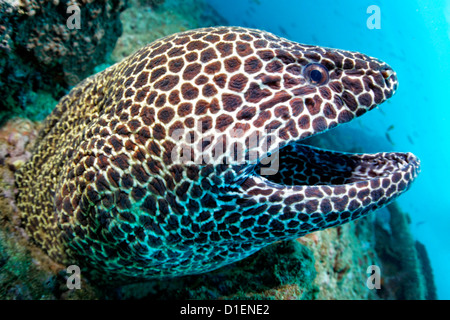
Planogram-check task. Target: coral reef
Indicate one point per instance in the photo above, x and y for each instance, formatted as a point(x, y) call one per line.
point(402, 275)
point(427, 272)
point(143, 24)
point(38, 51)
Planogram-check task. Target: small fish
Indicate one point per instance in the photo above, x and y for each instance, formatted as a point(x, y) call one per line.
point(388, 137)
point(283, 31)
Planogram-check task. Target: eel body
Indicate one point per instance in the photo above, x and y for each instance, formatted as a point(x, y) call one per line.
point(186, 156)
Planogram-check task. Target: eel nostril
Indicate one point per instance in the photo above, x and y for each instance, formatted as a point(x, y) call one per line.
point(386, 72)
point(389, 75)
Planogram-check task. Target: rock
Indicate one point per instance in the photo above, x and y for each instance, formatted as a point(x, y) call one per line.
point(151, 3)
point(427, 271)
point(143, 24)
point(401, 269)
point(38, 51)
point(283, 271)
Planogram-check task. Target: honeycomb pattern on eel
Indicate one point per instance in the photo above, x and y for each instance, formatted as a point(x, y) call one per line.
point(154, 167)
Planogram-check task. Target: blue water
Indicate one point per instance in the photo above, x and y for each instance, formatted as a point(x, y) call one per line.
point(415, 40)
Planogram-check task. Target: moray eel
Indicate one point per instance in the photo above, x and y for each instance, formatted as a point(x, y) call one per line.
point(186, 156)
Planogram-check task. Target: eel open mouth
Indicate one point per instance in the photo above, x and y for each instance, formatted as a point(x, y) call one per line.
point(304, 165)
point(324, 188)
point(321, 188)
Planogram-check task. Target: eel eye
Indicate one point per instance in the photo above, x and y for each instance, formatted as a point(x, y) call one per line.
point(316, 74)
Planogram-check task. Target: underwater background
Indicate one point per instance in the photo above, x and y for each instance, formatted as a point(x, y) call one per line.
point(414, 39)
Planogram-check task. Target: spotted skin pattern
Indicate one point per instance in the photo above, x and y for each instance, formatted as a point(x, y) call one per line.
point(127, 179)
